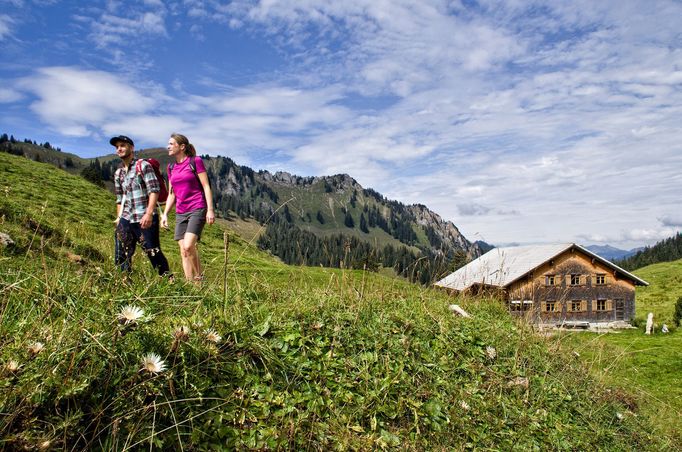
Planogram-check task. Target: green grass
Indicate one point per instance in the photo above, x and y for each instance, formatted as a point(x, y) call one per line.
point(311, 358)
point(665, 287)
point(645, 370)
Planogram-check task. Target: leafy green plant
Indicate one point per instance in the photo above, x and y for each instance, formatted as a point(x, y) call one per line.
point(677, 314)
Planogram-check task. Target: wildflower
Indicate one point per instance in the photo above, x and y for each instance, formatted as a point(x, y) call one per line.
point(619, 416)
point(491, 352)
point(153, 363)
point(12, 365)
point(36, 348)
point(130, 314)
point(464, 405)
point(213, 336)
point(181, 333)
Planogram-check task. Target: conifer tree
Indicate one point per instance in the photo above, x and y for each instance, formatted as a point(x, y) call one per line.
point(363, 224)
point(348, 220)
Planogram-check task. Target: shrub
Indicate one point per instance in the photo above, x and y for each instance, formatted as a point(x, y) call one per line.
point(677, 315)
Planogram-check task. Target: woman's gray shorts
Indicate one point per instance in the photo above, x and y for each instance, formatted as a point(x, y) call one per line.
point(193, 222)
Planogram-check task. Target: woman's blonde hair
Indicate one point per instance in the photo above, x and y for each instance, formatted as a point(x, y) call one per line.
point(181, 139)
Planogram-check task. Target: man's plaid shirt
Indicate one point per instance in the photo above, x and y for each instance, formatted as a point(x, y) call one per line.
point(136, 188)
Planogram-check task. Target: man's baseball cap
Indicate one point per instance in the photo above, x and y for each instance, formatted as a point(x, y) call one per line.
point(123, 138)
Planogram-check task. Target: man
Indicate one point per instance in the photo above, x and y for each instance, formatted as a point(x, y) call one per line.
point(137, 190)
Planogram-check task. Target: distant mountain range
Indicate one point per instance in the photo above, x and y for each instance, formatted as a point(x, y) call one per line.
point(611, 253)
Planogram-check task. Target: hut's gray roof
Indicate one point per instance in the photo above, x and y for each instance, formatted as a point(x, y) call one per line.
point(501, 266)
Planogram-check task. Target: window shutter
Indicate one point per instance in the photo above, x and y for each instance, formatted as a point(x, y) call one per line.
point(568, 280)
point(583, 280)
point(594, 305)
point(609, 305)
point(583, 305)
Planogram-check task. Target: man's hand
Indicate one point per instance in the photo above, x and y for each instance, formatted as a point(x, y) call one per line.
point(146, 221)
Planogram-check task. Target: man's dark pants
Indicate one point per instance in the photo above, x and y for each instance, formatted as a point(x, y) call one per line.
point(128, 235)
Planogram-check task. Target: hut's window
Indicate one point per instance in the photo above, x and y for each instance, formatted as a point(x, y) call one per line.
point(601, 279)
point(518, 305)
point(575, 279)
point(550, 280)
point(601, 305)
point(550, 306)
point(576, 305)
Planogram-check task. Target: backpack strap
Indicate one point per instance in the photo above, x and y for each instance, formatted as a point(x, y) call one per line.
point(169, 168)
point(193, 167)
point(138, 171)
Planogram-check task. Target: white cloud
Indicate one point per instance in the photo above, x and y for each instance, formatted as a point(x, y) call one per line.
point(6, 23)
point(111, 30)
point(78, 102)
point(8, 95)
point(674, 221)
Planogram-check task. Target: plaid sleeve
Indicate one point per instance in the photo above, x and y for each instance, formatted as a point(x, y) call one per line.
point(118, 190)
point(150, 180)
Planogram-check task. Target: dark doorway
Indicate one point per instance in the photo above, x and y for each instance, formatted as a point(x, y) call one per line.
point(620, 309)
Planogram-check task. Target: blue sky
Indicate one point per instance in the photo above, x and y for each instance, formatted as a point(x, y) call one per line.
point(520, 121)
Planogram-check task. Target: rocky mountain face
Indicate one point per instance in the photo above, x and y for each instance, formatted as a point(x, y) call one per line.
point(325, 205)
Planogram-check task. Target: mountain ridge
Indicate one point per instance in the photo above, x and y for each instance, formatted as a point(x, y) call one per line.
point(612, 253)
point(332, 208)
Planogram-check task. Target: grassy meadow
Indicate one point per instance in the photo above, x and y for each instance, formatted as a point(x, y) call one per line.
point(643, 370)
point(263, 355)
point(665, 287)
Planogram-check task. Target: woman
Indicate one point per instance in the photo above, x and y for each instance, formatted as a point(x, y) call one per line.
point(190, 191)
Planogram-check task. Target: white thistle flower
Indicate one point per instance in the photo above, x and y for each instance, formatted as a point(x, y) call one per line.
point(464, 405)
point(36, 348)
point(12, 365)
point(213, 336)
point(491, 352)
point(130, 314)
point(153, 363)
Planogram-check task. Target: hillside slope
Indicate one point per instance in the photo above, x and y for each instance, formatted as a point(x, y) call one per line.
point(271, 356)
point(665, 287)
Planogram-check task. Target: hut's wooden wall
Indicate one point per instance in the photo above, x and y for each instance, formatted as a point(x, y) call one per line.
point(567, 269)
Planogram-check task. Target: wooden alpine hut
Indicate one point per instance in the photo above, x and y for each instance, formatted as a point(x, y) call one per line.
point(551, 284)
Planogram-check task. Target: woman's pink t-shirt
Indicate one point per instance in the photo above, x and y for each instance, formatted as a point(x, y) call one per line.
point(189, 194)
